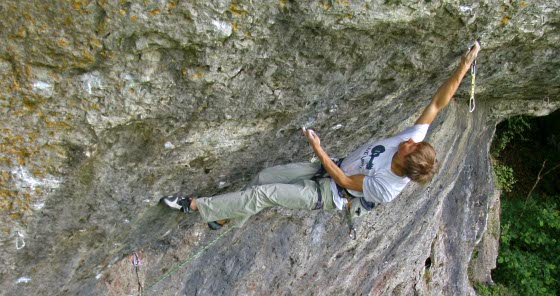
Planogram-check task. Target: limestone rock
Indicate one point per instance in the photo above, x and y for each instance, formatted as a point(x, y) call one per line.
point(108, 105)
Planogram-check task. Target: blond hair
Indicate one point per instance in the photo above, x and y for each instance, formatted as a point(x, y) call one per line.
point(421, 164)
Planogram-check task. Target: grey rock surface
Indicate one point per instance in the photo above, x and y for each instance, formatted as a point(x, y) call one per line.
point(107, 105)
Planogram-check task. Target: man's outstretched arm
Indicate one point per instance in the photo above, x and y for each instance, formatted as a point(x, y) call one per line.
point(449, 87)
point(349, 182)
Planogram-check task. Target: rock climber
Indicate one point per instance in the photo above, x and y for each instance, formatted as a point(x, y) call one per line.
point(375, 173)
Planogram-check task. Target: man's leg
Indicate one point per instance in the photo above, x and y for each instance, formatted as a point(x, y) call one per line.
point(285, 174)
point(242, 205)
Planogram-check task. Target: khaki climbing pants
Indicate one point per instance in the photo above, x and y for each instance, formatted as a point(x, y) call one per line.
point(289, 186)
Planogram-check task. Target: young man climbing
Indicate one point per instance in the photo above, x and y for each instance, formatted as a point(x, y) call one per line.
point(374, 173)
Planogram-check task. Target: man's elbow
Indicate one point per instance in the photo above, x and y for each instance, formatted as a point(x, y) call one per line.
point(343, 182)
point(351, 184)
point(436, 104)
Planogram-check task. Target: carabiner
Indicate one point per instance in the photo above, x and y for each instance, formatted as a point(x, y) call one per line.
point(18, 237)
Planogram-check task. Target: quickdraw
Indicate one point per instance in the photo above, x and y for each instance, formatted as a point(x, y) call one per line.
point(136, 262)
point(351, 228)
point(18, 238)
point(135, 259)
point(472, 103)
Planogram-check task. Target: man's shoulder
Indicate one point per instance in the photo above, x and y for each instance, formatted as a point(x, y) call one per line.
point(417, 132)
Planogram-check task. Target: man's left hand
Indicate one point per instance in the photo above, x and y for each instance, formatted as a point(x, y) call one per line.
point(468, 57)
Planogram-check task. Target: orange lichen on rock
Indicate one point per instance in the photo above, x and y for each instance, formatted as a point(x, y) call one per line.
point(236, 10)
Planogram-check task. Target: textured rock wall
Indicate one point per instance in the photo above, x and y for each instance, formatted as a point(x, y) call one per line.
point(107, 105)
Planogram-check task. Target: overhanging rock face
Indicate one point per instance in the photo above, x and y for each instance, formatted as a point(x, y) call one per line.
point(107, 105)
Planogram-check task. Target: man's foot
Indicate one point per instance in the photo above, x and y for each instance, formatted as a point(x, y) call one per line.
point(178, 201)
point(215, 225)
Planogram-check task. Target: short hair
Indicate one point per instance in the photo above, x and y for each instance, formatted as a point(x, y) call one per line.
point(421, 163)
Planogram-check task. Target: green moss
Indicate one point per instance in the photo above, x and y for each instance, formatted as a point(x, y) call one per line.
point(494, 225)
point(427, 277)
point(393, 2)
point(475, 254)
point(149, 179)
point(86, 173)
point(30, 103)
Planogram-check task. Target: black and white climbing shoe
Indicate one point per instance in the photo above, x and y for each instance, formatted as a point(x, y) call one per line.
point(178, 201)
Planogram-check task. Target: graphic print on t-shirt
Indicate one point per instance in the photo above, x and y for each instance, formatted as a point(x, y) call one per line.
point(375, 152)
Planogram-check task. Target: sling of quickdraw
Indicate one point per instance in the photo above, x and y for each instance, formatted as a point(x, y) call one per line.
point(472, 103)
point(351, 228)
point(136, 262)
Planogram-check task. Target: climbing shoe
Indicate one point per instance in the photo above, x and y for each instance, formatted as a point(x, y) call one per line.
point(215, 225)
point(178, 201)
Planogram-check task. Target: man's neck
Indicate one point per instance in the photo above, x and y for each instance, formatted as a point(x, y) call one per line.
point(396, 166)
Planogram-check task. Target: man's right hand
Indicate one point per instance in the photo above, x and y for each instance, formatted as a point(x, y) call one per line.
point(446, 91)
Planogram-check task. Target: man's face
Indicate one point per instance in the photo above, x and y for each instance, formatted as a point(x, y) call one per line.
point(405, 148)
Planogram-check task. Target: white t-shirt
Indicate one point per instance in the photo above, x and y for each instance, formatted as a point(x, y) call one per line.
point(373, 159)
